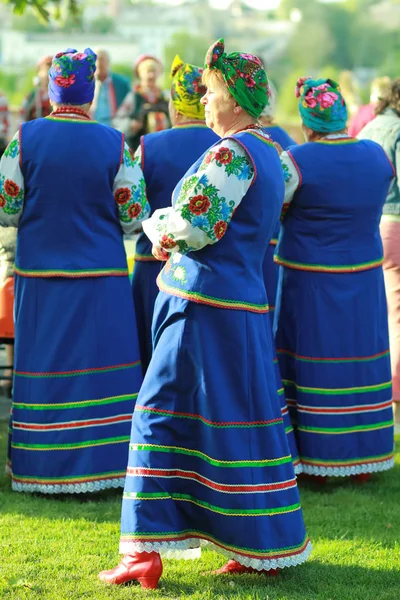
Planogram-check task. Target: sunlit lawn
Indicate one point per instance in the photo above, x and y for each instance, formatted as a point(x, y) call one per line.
point(52, 548)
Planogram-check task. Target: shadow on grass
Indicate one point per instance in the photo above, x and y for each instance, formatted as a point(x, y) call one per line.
point(309, 581)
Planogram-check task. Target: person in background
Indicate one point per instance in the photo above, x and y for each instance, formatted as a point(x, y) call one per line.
point(165, 157)
point(267, 120)
point(4, 123)
point(37, 103)
point(379, 89)
point(110, 91)
point(209, 458)
point(385, 130)
point(145, 108)
point(350, 90)
point(72, 188)
point(332, 336)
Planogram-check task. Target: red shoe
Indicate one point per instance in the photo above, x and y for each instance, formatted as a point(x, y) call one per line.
point(144, 567)
point(233, 567)
point(320, 479)
point(361, 477)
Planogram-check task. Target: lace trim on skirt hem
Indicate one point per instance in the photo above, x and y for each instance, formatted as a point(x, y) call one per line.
point(69, 488)
point(348, 471)
point(298, 469)
point(191, 548)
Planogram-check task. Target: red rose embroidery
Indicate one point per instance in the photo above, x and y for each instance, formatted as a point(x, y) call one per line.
point(2, 201)
point(223, 156)
point(167, 242)
point(122, 195)
point(132, 154)
point(79, 56)
point(134, 210)
point(11, 188)
point(199, 204)
point(220, 229)
point(65, 82)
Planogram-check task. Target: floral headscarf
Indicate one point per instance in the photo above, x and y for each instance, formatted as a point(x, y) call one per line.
point(187, 89)
point(321, 104)
point(71, 77)
point(244, 75)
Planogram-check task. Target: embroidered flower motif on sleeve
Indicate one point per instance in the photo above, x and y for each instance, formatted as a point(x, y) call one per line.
point(130, 160)
point(131, 202)
point(240, 166)
point(11, 196)
point(12, 149)
point(287, 175)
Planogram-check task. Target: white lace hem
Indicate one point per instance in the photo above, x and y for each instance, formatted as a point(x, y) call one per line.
point(191, 548)
point(298, 469)
point(69, 488)
point(348, 471)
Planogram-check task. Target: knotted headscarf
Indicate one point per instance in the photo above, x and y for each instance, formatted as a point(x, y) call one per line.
point(244, 76)
point(71, 77)
point(321, 104)
point(187, 89)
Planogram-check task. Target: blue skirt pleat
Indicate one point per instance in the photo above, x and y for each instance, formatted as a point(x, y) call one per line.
point(209, 458)
point(145, 291)
point(271, 275)
point(333, 349)
point(77, 376)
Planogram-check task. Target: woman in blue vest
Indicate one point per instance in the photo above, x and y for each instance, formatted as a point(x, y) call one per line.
point(209, 458)
point(165, 157)
point(332, 337)
point(72, 188)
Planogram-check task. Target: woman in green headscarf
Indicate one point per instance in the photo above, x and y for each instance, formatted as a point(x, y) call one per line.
point(209, 459)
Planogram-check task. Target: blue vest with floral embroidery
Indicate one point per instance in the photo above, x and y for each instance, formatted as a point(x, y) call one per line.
point(228, 274)
point(69, 225)
point(332, 224)
point(166, 156)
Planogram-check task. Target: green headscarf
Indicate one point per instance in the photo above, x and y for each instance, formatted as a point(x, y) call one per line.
point(244, 76)
point(321, 104)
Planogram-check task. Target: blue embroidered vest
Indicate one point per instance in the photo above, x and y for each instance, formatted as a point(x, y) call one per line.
point(229, 274)
point(69, 225)
point(332, 224)
point(166, 156)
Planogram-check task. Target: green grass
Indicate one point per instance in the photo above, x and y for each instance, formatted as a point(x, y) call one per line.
point(53, 548)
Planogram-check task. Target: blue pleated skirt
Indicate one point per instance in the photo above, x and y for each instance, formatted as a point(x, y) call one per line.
point(271, 274)
point(209, 458)
point(333, 349)
point(145, 291)
point(77, 376)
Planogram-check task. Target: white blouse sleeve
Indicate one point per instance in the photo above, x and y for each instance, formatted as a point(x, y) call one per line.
point(292, 180)
point(11, 185)
point(130, 193)
point(206, 202)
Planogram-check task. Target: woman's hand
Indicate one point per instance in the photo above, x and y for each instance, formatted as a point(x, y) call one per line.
point(159, 253)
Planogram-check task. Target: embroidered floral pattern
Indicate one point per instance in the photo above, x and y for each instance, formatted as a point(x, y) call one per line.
point(122, 195)
point(12, 149)
point(130, 160)
point(287, 175)
point(240, 166)
point(11, 196)
point(131, 202)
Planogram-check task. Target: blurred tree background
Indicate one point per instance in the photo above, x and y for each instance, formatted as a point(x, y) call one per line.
point(328, 38)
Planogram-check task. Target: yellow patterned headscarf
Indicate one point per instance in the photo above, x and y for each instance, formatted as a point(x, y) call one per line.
point(187, 89)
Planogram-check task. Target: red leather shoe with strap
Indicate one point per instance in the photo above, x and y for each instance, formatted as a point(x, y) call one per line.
point(232, 567)
point(361, 477)
point(144, 567)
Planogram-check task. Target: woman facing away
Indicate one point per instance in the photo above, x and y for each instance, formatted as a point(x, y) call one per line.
point(209, 458)
point(385, 130)
point(165, 157)
point(332, 338)
point(72, 184)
